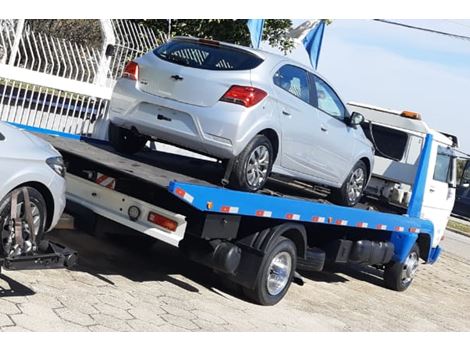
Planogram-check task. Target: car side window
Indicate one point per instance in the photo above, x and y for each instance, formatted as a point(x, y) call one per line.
point(328, 101)
point(443, 169)
point(294, 80)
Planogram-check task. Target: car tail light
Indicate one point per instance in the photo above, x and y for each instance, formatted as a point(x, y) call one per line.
point(131, 71)
point(162, 221)
point(246, 96)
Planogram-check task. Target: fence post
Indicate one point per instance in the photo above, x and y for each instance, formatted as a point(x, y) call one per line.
point(16, 42)
point(101, 78)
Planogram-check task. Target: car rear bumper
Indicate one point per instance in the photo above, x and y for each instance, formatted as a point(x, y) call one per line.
point(218, 130)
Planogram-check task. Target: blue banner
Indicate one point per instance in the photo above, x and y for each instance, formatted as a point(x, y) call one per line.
point(256, 32)
point(312, 42)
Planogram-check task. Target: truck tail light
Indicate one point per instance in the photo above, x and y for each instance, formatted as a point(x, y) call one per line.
point(246, 96)
point(131, 71)
point(162, 221)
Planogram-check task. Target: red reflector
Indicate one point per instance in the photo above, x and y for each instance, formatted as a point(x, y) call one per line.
point(246, 96)
point(131, 71)
point(162, 221)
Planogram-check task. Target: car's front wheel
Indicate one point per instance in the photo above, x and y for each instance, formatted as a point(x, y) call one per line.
point(124, 140)
point(353, 187)
point(253, 166)
point(8, 240)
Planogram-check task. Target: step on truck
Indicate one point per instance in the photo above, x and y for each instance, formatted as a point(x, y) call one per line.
point(261, 241)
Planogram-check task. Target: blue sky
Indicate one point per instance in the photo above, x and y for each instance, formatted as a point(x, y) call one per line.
point(401, 69)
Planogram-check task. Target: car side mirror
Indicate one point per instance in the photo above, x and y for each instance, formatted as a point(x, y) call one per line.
point(355, 119)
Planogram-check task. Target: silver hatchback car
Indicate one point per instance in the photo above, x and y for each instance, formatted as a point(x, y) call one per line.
point(261, 112)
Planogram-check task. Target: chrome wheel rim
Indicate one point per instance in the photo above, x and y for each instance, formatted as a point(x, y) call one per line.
point(278, 273)
point(409, 268)
point(355, 185)
point(258, 166)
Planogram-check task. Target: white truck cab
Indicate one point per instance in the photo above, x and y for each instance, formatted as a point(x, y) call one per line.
point(398, 137)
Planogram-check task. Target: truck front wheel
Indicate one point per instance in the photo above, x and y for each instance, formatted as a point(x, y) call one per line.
point(399, 276)
point(275, 273)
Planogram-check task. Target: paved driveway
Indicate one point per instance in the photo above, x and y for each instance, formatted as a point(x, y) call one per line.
point(126, 284)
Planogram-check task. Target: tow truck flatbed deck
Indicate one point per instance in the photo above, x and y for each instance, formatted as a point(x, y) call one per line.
point(197, 183)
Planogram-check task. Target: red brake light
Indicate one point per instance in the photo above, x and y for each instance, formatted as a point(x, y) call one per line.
point(246, 96)
point(162, 221)
point(131, 71)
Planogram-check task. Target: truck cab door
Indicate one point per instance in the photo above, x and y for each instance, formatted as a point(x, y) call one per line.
point(439, 195)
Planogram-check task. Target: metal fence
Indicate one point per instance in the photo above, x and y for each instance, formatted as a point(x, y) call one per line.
point(59, 84)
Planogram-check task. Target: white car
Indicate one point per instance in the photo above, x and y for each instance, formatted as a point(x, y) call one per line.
point(28, 161)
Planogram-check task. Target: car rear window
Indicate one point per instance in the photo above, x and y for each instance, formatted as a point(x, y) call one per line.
point(207, 57)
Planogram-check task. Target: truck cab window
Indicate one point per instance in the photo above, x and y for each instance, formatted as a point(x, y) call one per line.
point(442, 171)
point(390, 143)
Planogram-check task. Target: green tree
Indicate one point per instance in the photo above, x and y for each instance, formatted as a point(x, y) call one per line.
point(233, 31)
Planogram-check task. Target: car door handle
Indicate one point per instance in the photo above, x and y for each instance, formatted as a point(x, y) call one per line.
point(323, 128)
point(286, 113)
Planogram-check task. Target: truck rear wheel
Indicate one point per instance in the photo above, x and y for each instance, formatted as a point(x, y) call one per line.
point(399, 276)
point(125, 141)
point(275, 273)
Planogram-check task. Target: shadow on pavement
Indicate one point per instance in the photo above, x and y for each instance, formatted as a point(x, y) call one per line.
point(140, 259)
point(15, 289)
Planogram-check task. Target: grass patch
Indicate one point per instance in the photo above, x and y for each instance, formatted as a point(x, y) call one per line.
point(458, 226)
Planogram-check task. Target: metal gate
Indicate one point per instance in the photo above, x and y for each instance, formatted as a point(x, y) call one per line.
point(61, 85)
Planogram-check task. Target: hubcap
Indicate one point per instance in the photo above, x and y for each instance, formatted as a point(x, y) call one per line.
point(257, 166)
point(8, 241)
point(278, 273)
point(409, 268)
point(355, 185)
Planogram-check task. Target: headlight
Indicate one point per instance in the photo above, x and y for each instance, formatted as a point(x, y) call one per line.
point(57, 164)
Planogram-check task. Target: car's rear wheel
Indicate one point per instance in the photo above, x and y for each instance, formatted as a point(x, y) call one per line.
point(353, 187)
point(39, 214)
point(124, 140)
point(253, 166)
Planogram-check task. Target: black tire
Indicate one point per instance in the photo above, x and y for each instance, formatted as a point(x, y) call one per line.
point(260, 293)
point(37, 201)
point(240, 177)
point(393, 272)
point(125, 141)
point(340, 195)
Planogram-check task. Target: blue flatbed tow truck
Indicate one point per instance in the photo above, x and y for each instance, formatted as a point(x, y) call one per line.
point(259, 241)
